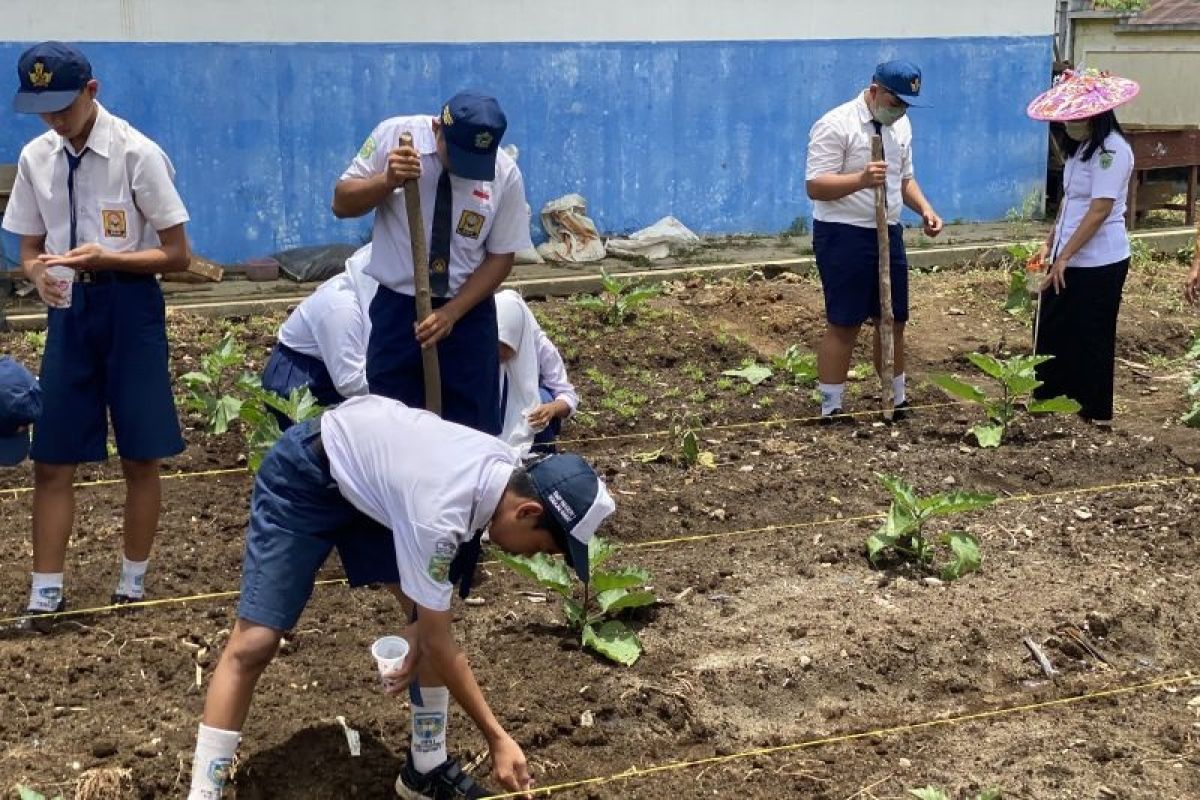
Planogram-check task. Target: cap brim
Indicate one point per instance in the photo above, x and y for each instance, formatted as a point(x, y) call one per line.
point(473, 166)
point(43, 102)
point(576, 554)
point(14, 449)
point(912, 100)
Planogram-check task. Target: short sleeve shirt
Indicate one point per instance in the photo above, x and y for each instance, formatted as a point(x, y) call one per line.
point(486, 217)
point(124, 190)
point(840, 144)
point(329, 325)
point(1103, 176)
point(432, 482)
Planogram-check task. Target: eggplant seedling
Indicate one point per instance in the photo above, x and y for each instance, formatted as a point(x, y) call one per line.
point(609, 593)
point(903, 530)
point(1017, 382)
point(618, 300)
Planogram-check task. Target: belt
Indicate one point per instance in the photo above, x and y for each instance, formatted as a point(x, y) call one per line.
point(111, 276)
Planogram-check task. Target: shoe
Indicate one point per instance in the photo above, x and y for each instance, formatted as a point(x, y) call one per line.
point(447, 781)
point(837, 417)
point(41, 620)
point(900, 411)
point(119, 599)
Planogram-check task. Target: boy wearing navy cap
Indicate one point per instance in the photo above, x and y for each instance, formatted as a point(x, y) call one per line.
point(95, 195)
point(20, 407)
point(473, 208)
point(404, 497)
point(841, 178)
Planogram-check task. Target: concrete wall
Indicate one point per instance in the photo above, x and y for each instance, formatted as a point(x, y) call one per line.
point(697, 108)
point(1165, 62)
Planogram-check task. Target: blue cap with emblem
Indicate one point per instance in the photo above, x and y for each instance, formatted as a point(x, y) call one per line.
point(901, 78)
point(20, 406)
point(473, 125)
point(52, 75)
point(575, 499)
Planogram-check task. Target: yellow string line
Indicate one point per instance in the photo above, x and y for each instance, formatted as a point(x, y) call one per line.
point(1021, 498)
point(764, 423)
point(166, 601)
point(635, 772)
point(168, 476)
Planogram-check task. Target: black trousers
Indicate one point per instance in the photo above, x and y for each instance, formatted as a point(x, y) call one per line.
point(1078, 326)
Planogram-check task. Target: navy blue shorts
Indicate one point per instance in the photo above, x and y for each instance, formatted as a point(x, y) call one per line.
point(469, 359)
point(107, 355)
point(297, 517)
point(288, 369)
point(848, 260)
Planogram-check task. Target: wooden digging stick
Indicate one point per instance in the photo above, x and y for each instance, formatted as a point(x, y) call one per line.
point(886, 321)
point(424, 297)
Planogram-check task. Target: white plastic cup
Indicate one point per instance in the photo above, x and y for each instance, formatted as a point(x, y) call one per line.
point(61, 278)
point(389, 653)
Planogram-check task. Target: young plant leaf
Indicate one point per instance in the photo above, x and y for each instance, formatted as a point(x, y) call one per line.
point(599, 551)
point(900, 490)
point(752, 373)
point(707, 460)
point(618, 579)
point(877, 543)
point(574, 614)
point(987, 364)
point(613, 640)
point(616, 599)
point(966, 554)
point(1192, 417)
point(551, 573)
point(1054, 405)
point(193, 380)
point(954, 502)
point(954, 386)
point(929, 793)
point(650, 456)
point(993, 793)
point(1021, 385)
point(226, 411)
point(988, 435)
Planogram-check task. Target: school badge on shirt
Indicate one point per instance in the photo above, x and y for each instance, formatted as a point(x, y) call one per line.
point(115, 226)
point(1106, 160)
point(470, 224)
point(439, 562)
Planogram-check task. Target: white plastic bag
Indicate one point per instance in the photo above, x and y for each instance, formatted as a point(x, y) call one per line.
point(573, 237)
point(657, 241)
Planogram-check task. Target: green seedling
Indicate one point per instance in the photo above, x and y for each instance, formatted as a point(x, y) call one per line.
point(618, 300)
point(751, 372)
point(609, 593)
point(1192, 417)
point(933, 793)
point(687, 449)
point(209, 388)
point(261, 425)
point(1019, 303)
point(1017, 382)
point(36, 340)
point(799, 367)
point(861, 372)
point(903, 530)
point(26, 793)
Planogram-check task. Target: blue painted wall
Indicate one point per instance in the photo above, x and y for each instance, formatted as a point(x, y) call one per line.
point(712, 132)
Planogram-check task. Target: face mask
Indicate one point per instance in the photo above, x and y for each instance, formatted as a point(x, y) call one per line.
point(1079, 131)
point(888, 115)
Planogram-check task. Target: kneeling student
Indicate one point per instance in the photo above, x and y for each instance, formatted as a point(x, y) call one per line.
point(404, 496)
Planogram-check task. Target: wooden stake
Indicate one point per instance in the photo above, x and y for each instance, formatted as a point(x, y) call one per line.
point(886, 320)
point(424, 297)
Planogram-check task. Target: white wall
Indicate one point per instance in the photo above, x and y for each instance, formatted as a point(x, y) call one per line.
point(516, 20)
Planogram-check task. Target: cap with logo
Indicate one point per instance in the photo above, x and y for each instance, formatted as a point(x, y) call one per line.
point(20, 406)
point(52, 75)
point(473, 125)
point(901, 78)
point(575, 499)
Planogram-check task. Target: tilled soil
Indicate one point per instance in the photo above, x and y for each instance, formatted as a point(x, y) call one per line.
point(775, 639)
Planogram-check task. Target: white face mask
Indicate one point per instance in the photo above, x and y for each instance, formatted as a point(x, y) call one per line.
point(888, 115)
point(1079, 131)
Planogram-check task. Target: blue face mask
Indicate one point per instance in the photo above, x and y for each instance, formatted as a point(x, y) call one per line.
point(888, 115)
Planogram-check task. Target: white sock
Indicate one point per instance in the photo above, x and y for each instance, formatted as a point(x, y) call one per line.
point(215, 750)
point(133, 578)
point(46, 591)
point(898, 395)
point(831, 397)
point(429, 728)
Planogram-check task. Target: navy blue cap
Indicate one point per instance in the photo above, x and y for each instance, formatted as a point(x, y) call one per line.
point(473, 125)
point(575, 499)
point(901, 78)
point(52, 75)
point(20, 405)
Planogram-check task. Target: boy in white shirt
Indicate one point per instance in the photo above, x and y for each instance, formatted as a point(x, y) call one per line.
point(404, 496)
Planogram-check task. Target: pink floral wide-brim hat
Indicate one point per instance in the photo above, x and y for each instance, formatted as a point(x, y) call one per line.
point(1082, 94)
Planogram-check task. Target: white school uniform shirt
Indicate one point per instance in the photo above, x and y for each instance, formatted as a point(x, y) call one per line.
point(333, 324)
point(124, 190)
point(433, 483)
point(1105, 175)
point(552, 370)
point(487, 216)
point(840, 144)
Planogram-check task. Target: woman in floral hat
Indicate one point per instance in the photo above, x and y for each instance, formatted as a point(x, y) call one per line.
point(1088, 248)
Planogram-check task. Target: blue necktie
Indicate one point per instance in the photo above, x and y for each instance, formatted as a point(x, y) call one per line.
point(72, 165)
point(439, 241)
